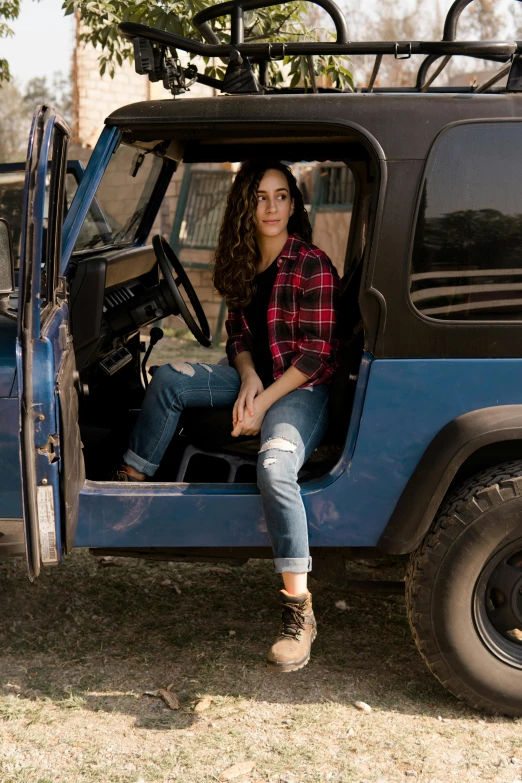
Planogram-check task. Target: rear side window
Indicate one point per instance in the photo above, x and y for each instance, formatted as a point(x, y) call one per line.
point(467, 255)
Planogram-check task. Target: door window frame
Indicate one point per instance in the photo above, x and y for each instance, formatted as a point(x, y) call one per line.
point(53, 239)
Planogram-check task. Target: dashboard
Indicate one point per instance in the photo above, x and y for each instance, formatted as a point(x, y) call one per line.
point(112, 296)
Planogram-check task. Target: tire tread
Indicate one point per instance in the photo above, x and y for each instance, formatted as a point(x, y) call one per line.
point(485, 490)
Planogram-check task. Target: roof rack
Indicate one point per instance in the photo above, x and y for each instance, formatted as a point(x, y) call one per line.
point(155, 51)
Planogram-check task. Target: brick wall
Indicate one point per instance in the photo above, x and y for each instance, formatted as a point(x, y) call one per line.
point(97, 96)
point(201, 279)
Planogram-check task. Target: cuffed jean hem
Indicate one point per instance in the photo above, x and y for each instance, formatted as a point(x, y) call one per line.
point(292, 565)
point(139, 464)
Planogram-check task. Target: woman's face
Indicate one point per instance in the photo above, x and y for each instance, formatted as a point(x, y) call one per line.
point(274, 205)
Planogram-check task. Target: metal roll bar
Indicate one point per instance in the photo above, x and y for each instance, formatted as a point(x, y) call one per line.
point(272, 51)
point(449, 34)
point(152, 45)
point(236, 8)
point(452, 19)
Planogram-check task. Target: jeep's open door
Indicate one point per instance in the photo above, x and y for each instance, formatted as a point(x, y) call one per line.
point(50, 446)
point(12, 181)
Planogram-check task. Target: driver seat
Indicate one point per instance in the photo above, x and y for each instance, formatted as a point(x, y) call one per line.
point(207, 430)
point(208, 433)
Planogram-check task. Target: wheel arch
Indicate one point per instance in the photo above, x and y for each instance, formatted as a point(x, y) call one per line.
point(453, 449)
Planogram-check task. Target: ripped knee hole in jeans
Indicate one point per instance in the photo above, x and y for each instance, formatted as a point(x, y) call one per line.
point(185, 368)
point(276, 444)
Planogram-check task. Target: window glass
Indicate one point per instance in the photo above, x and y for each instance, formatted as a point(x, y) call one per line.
point(11, 204)
point(52, 217)
point(467, 256)
point(121, 199)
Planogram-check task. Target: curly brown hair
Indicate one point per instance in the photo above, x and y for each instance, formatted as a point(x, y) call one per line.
point(237, 252)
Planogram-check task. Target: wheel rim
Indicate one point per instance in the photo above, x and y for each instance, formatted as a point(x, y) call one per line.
point(497, 605)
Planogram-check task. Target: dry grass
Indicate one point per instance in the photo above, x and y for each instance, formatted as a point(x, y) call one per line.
point(178, 343)
point(79, 648)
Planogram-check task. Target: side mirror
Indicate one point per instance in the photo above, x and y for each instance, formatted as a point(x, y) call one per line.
point(6, 270)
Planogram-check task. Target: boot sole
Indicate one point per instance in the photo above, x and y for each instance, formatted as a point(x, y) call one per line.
point(286, 667)
point(295, 665)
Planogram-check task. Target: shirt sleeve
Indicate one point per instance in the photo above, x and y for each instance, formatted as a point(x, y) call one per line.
point(318, 305)
point(234, 327)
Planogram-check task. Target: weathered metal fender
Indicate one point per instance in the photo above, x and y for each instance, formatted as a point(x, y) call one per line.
point(447, 452)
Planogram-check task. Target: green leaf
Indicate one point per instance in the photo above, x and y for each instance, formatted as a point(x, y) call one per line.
point(295, 79)
point(286, 22)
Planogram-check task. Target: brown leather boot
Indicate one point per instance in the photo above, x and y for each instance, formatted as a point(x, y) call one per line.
point(291, 649)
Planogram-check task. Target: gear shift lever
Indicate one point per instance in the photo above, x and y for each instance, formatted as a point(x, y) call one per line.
point(156, 334)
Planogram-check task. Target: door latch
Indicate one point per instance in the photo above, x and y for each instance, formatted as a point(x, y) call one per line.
point(81, 388)
point(51, 450)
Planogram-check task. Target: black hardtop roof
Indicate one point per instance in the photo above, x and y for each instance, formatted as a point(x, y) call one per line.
point(397, 126)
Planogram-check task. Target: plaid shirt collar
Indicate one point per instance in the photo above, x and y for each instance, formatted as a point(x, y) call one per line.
point(305, 292)
point(290, 249)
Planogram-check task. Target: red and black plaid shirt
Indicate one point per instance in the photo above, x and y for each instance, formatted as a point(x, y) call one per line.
point(301, 315)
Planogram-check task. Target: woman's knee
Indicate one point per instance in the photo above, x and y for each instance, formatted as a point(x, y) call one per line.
point(165, 384)
point(276, 462)
point(162, 376)
point(173, 376)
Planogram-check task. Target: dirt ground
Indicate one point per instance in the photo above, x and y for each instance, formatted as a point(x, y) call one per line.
point(81, 646)
point(178, 343)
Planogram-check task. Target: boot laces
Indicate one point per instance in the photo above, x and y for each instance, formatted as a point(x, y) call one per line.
point(293, 621)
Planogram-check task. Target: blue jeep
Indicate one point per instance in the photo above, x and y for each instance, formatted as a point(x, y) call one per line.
point(424, 452)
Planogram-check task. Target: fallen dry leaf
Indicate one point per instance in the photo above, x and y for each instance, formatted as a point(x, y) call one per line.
point(243, 768)
point(108, 561)
point(203, 704)
point(170, 699)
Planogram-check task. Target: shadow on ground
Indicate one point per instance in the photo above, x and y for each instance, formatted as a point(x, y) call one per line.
point(103, 635)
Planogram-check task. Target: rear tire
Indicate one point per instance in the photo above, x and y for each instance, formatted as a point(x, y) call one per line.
point(464, 592)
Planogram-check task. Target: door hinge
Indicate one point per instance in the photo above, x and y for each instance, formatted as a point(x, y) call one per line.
point(61, 288)
point(81, 388)
point(51, 450)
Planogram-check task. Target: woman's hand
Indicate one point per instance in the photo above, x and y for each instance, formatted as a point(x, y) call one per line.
point(252, 420)
point(251, 386)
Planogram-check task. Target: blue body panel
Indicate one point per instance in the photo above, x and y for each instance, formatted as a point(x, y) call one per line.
point(10, 480)
point(406, 402)
point(7, 356)
point(48, 356)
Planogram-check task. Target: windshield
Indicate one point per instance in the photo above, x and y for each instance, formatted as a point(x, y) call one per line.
point(121, 199)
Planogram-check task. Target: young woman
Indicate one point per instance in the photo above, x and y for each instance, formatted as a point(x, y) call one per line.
point(281, 292)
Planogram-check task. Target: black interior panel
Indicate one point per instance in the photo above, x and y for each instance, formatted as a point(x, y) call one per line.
point(87, 293)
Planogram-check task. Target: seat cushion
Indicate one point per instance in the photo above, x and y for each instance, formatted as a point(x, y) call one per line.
point(210, 429)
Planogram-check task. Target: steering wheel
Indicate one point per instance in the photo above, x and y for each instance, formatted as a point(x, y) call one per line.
point(174, 276)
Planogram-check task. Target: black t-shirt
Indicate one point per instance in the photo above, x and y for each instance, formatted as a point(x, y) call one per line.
point(256, 314)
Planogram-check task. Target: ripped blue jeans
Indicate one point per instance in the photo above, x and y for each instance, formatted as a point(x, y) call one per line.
point(291, 430)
